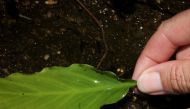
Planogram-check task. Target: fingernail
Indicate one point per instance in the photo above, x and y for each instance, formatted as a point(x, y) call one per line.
point(150, 83)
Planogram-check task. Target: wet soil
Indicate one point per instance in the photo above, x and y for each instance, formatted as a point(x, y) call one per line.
point(37, 33)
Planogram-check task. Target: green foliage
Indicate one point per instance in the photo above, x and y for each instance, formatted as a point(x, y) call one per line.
point(75, 87)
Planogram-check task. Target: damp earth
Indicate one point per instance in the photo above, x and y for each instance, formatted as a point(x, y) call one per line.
point(109, 34)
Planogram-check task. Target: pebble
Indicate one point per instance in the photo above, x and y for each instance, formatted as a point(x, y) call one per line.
point(37, 2)
point(46, 57)
point(50, 2)
point(58, 52)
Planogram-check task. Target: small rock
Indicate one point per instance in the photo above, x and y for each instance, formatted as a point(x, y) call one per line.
point(50, 2)
point(58, 52)
point(46, 57)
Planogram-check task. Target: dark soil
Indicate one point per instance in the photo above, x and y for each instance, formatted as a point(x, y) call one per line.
point(35, 34)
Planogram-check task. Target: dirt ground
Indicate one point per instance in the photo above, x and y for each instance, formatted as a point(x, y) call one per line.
point(37, 33)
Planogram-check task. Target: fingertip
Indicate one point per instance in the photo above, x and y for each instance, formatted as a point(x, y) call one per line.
point(150, 83)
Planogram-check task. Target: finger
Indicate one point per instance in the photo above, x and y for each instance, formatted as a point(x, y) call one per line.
point(172, 34)
point(183, 53)
point(169, 77)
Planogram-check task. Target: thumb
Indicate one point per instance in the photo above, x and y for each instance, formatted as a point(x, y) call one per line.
point(166, 78)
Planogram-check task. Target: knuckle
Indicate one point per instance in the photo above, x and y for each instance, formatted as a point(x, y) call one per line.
point(179, 79)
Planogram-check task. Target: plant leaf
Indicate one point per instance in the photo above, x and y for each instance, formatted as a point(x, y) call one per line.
point(74, 87)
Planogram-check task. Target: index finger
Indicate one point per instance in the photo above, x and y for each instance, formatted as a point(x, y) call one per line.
point(171, 34)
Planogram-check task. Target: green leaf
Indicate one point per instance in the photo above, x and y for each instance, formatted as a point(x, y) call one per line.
point(74, 87)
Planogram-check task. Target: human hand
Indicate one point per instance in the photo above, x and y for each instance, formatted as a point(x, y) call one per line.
point(154, 73)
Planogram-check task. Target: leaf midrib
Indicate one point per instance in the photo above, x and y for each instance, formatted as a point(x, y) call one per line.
point(72, 92)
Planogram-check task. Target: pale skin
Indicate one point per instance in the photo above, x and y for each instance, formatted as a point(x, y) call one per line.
point(154, 72)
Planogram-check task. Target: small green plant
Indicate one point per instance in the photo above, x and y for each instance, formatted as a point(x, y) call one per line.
point(78, 86)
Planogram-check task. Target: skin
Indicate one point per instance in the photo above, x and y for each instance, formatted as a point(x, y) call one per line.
point(154, 72)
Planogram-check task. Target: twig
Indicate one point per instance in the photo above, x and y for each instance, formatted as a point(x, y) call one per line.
point(102, 30)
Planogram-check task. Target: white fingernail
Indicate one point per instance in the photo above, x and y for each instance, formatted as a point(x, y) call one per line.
point(150, 83)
